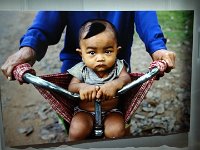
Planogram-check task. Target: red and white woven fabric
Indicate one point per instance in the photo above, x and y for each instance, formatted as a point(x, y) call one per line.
point(130, 101)
point(21, 69)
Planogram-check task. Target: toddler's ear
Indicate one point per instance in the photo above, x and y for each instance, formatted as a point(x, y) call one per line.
point(118, 49)
point(79, 51)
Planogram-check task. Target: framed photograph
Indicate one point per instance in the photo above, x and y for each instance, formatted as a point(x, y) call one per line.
point(167, 114)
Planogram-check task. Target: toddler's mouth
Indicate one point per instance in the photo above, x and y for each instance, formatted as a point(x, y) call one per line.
point(101, 65)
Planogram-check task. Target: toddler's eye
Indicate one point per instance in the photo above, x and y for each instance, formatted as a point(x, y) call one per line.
point(108, 51)
point(91, 53)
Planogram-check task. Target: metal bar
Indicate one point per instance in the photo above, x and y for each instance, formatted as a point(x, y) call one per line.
point(98, 129)
point(98, 112)
point(139, 81)
point(29, 78)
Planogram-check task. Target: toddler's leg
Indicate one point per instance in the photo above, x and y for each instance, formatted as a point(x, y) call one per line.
point(81, 126)
point(114, 125)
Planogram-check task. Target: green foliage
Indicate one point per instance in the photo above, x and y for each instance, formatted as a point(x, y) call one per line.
point(177, 26)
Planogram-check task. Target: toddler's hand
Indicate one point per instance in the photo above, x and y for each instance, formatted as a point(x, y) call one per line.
point(88, 92)
point(106, 92)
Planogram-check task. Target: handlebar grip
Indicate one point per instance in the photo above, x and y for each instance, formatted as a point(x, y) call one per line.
point(21, 69)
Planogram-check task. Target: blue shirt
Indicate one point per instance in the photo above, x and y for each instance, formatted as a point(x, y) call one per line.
point(48, 26)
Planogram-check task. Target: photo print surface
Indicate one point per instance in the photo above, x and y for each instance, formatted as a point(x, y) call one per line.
point(28, 118)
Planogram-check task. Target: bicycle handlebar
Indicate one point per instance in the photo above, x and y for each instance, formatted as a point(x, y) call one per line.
point(29, 78)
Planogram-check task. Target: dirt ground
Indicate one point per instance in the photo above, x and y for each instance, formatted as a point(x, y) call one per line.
point(18, 100)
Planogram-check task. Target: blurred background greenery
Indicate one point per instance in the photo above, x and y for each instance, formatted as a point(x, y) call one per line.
point(177, 26)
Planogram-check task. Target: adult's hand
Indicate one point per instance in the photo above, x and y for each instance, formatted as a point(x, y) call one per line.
point(24, 55)
point(168, 56)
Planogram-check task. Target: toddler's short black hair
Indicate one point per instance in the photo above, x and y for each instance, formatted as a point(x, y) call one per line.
point(94, 27)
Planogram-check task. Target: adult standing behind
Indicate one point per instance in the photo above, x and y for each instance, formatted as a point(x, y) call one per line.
point(48, 26)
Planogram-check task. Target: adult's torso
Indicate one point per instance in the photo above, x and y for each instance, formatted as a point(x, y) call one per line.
point(123, 21)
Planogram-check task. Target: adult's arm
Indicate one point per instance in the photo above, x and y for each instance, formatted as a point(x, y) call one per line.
point(149, 30)
point(46, 29)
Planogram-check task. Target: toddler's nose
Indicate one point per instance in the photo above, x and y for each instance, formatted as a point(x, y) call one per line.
point(100, 58)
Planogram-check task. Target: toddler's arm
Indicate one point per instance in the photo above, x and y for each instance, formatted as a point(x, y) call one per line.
point(109, 89)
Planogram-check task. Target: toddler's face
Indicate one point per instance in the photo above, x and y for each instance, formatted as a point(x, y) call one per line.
point(99, 52)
